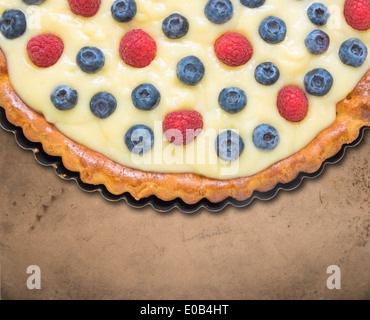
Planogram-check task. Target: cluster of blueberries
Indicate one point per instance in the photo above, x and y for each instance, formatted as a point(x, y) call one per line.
point(190, 70)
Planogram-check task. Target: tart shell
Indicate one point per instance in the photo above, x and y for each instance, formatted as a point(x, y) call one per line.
point(353, 113)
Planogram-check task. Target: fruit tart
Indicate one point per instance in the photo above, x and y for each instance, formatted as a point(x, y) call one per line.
point(187, 99)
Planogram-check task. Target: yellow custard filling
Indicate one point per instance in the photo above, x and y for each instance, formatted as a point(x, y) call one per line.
point(34, 85)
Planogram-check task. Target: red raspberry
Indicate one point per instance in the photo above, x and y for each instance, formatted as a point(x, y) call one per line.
point(292, 103)
point(182, 126)
point(357, 14)
point(233, 49)
point(45, 50)
point(85, 8)
point(137, 48)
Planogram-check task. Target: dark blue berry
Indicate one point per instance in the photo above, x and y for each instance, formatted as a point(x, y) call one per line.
point(267, 73)
point(13, 23)
point(229, 145)
point(265, 137)
point(90, 59)
point(318, 14)
point(103, 104)
point(232, 100)
point(64, 97)
point(190, 70)
point(318, 82)
point(272, 30)
point(33, 1)
point(353, 52)
point(252, 3)
point(317, 42)
point(175, 26)
point(146, 97)
point(124, 10)
point(139, 139)
point(219, 11)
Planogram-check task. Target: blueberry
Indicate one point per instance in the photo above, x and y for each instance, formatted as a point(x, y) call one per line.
point(90, 59)
point(318, 14)
point(272, 30)
point(353, 52)
point(267, 73)
point(219, 11)
point(190, 70)
point(33, 1)
point(64, 97)
point(175, 26)
point(103, 104)
point(13, 23)
point(139, 139)
point(146, 97)
point(232, 100)
point(229, 145)
point(265, 137)
point(252, 3)
point(318, 82)
point(317, 42)
point(124, 10)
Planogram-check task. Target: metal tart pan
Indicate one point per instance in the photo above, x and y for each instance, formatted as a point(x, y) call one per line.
point(161, 206)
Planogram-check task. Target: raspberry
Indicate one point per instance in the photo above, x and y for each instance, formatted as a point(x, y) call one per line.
point(137, 48)
point(182, 126)
point(233, 49)
point(45, 50)
point(357, 14)
point(292, 103)
point(85, 8)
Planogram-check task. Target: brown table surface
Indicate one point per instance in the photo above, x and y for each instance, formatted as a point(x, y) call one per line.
point(88, 248)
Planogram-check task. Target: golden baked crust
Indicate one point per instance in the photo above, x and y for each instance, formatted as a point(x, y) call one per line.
point(353, 113)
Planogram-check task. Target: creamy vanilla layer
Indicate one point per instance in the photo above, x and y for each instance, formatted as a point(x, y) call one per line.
point(34, 85)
